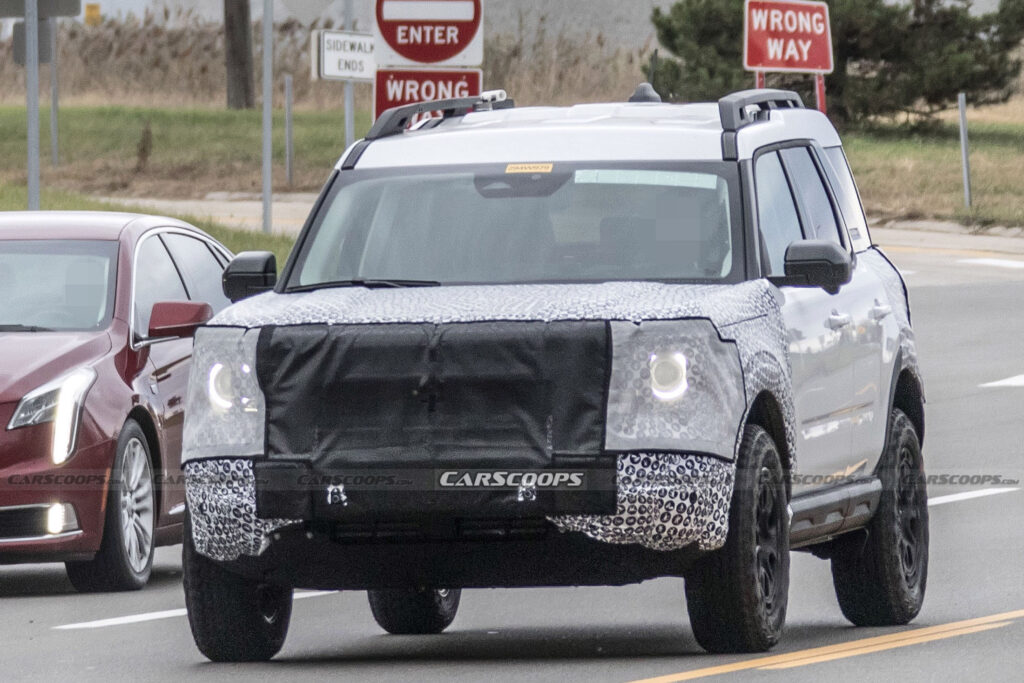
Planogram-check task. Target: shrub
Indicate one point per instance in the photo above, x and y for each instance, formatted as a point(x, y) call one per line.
point(909, 58)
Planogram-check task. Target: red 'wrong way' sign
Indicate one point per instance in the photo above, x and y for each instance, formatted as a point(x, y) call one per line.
point(398, 87)
point(434, 32)
point(787, 36)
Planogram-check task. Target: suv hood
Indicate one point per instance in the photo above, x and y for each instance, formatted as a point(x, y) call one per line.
point(30, 359)
point(633, 301)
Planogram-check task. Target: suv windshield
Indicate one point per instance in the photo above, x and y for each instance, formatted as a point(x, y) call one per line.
point(520, 223)
point(56, 284)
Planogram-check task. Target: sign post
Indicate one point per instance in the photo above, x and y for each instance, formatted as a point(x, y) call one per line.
point(32, 101)
point(350, 101)
point(268, 113)
point(34, 11)
point(423, 49)
point(788, 36)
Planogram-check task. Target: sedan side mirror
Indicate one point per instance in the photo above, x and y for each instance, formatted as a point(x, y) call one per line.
point(248, 274)
point(177, 318)
point(818, 263)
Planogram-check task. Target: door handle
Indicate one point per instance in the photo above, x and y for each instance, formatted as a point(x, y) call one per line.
point(879, 311)
point(838, 321)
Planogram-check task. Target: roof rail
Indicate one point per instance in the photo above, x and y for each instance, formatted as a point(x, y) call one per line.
point(733, 108)
point(734, 111)
point(395, 120)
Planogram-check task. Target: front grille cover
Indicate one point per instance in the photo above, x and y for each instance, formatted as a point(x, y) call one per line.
point(508, 394)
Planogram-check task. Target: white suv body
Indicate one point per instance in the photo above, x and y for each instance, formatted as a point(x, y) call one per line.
point(563, 346)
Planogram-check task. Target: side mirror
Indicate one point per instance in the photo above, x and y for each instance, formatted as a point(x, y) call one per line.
point(248, 274)
point(818, 263)
point(177, 318)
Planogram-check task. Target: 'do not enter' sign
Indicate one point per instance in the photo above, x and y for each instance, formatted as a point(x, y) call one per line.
point(435, 32)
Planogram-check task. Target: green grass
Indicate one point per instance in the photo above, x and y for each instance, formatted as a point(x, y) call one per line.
point(15, 198)
point(902, 173)
point(192, 151)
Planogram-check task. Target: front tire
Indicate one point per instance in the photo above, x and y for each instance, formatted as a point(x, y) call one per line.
point(737, 595)
point(880, 580)
point(233, 619)
point(414, 612)
point(125, 558)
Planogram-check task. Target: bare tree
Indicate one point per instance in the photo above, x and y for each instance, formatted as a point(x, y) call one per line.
point(238, 54)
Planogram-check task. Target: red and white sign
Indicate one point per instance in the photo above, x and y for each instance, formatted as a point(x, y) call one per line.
point(787, 36)
point(434, 32)
point(398, 87)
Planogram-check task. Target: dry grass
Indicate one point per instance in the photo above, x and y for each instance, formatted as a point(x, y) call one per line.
point(908, 174)
point(161, 60)
point(540, 68)
point(178, 61)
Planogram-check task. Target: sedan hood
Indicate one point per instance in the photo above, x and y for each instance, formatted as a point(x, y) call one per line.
point(633, 301)
point(30, 359)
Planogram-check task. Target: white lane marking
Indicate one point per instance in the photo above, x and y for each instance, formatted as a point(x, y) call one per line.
point(968, 495)
point(153, 616)
point(167, 614)
point(908, 272)
point(995, 262)
point(1017, 381)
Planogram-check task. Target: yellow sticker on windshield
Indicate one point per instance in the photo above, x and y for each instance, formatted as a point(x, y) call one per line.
point(529, 168)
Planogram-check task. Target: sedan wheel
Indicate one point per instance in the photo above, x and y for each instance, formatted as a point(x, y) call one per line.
point(125, 557)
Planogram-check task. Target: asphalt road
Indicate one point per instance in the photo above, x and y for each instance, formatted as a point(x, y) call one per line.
point(967, 304)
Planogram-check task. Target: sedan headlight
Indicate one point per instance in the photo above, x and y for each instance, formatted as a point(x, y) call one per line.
point(225, 410)
point(675, 386)
point(59, 402)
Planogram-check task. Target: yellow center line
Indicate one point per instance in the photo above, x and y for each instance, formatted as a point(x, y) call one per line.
point(848, 649)
point(888, 646)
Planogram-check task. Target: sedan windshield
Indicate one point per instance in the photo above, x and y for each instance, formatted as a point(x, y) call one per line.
point(56, 284)
point(520, 223)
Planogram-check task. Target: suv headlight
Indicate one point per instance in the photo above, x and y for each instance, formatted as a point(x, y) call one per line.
point(224, 412)
point(675, 386)
point(59, 402)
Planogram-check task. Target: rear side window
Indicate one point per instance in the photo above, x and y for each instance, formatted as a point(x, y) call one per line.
point(200, 268)
point(156, 279)
point(849, 198)
point(811, 193)
point(776, 212)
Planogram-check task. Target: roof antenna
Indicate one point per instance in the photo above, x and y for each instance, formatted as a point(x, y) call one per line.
point(645, 92)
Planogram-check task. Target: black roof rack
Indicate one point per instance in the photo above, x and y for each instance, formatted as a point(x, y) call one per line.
point(733, 108)
point(734, 111)
point(394, 121)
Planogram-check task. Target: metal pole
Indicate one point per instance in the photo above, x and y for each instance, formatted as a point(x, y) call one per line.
point(965, 149)
point(54, 157)
point(32, 99)
point(289, 150)
point(819, 93)
point(350, 105)
point(268, 112)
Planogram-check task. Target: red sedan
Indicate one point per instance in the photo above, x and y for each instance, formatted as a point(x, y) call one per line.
point(96, 316)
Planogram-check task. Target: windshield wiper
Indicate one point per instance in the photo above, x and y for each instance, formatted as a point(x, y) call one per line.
point(368, 283)
point(24, 328)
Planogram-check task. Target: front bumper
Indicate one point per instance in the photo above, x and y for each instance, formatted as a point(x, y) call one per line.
point(30, 485)
point(665, 502)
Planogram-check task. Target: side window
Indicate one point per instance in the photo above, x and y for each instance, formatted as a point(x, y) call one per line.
point(811, 193)
point(776, 212)
point(200, 268)
point(156, 279)
point(849, 199)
